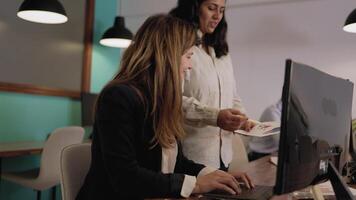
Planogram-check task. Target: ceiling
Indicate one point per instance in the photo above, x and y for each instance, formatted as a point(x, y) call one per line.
point(139, 8)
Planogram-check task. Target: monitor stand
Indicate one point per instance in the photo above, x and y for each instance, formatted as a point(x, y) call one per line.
point(341, 190)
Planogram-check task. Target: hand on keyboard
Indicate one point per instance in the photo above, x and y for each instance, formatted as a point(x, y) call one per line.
point(217, 180)
point(223, 192)
point(257, 193)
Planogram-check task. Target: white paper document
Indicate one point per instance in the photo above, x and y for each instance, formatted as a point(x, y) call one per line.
point(262, 129)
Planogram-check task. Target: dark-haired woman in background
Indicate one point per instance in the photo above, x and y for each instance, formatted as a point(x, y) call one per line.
point(138, 123)
point(212, 108)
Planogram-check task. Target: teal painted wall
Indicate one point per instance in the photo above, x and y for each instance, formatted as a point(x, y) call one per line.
point(31, 117)
point(105, 63)
point(26, 117)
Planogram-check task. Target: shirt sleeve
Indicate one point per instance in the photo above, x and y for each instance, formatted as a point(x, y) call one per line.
point(198, 114)
point(188, 186)
point(189, 181)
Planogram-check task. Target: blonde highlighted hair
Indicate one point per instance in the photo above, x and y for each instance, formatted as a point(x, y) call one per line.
point(151, 63)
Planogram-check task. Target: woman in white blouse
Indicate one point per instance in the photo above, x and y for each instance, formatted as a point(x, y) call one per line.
point(211, 105)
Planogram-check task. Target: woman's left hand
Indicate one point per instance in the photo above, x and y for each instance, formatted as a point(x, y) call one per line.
point(244, 178)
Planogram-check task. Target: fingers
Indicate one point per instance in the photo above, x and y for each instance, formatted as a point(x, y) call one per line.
point(231, 183)
point(235, 180)
point(224, 187)
point(237, 121)
point(248, 125)
point(246, 179)
point(229, 180)
point(231, 119)
point(222, 181)
point(250, 181)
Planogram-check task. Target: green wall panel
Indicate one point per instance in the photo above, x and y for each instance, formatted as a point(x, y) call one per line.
point(105, 62)
point(25, 117)
point(32, 117)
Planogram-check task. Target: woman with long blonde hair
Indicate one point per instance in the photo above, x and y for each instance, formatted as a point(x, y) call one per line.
point(138, 123)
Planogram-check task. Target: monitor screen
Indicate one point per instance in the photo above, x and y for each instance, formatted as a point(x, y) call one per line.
point(88, 108)
point(315, 126)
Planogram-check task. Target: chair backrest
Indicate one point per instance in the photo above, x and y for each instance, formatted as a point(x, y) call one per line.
point(75, 163)
point(239, 157)
point(50, 158)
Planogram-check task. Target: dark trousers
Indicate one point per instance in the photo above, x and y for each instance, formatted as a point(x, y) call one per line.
point(255, 155)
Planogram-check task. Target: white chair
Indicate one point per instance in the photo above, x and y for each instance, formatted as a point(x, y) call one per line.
point(239, 157)
point(48, 174)
point(75, 163)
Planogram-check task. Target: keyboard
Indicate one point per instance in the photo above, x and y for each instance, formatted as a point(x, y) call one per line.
point(258, 193)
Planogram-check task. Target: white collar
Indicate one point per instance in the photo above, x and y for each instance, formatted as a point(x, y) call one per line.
point(210, 49)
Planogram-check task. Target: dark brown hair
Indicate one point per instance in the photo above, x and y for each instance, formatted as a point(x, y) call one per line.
point(188, 10)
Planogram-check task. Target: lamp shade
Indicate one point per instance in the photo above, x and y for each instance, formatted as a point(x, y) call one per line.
point(118, 35)
point(43, 11)
point(350, 24)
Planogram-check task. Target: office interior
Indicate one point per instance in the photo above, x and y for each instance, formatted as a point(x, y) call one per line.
point(262, 35)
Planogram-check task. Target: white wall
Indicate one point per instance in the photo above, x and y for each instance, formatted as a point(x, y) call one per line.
point(136, 11)
point(263, 33)
point(262, 37)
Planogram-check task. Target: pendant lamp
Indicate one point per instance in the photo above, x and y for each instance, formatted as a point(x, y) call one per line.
point(350, 24)
point(118, 35)
point(43, 11)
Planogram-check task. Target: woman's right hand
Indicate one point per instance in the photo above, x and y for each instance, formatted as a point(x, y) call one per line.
point(231, 119)
point(217, 180)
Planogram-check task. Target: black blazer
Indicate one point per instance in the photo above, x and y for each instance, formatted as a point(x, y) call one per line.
point(123, 164)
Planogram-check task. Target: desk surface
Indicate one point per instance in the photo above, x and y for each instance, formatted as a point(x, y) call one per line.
point(10, 149)
point(261, 171)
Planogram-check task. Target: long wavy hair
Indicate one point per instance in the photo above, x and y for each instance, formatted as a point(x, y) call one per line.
point(188, 10)
point(150, 65)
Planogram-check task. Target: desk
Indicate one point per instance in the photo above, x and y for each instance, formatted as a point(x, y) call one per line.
point(262, 172)
point(12, 149)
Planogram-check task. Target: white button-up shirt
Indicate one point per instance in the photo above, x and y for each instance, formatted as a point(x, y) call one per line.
point(208, 87)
